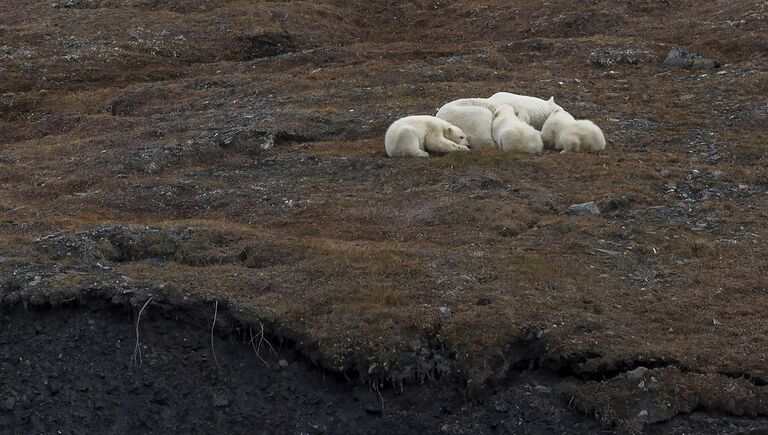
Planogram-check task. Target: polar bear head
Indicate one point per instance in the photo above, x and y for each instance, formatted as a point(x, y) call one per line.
point(582, 135)
point(504, 112)
point(454, 134)
point(552, 105)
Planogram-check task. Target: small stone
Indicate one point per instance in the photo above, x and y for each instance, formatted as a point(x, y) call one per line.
point(542, 389)
point(369, 400)
point(283, 363)
point(444, 311)
point(444, 428)
point(695, 173)
point(583, 208)
point(636, 373)
point(716, 322)
point(607, 252)
point(664, 173)
point(54, 386)
point(220, 400)
point(8, 404)
point(642, 414)
point(501, 407)
point(483, 301)
point(718, 174)
point(743, 187)
point(35, 281)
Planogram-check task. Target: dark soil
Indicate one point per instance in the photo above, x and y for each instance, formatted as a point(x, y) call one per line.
point(85, 382)
point(73, 370)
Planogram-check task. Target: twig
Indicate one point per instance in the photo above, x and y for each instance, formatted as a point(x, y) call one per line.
point(136, 357)
point(215, 313)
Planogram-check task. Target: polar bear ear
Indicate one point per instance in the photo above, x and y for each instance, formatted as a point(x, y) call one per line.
point(551, 100)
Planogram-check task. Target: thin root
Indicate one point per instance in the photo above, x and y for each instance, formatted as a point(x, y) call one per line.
point(262, 339)
point(136, 357)
point(215, 313)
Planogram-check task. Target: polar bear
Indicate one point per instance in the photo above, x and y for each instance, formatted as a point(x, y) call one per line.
point(562, 132)
point(474, 116)
point(531, 110)
point(512, 134)
point(417, 136)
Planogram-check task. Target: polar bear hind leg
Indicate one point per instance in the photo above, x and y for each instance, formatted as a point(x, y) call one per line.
point(520, 138)
point(405, 143)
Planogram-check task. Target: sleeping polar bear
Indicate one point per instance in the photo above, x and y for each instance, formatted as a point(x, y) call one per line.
point(563, 132)
point(474, 116)
point(417, 136)
point(512, 134)
point(531, 110)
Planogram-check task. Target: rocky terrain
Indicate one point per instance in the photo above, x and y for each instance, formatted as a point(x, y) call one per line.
point(200, 232)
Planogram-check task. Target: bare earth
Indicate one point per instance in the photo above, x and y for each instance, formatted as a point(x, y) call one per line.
point(230, 153)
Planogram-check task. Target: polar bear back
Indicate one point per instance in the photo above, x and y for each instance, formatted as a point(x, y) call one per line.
point(479, 102)
point(474, 120)
point(531, 110)
point(512, 134)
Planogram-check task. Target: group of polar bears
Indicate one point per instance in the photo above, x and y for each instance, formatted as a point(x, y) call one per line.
point(506, 121)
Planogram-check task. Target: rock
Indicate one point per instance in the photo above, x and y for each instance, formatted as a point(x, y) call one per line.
point(220, 400)
point(542, 389)
point(583, 208)
point(369, 400)
point(8, 404)
point(608, 57)
point(444, 311)
point(501, 407)
point(283, 363)
point(718, 174)
point(35, 281)
point(716, 322)
point(483, 301)
point(743, 187)
point(37, 423)
point(636, 373)
point(685, 59)
point(607, 252)
point(54, 386)
point(642, 414)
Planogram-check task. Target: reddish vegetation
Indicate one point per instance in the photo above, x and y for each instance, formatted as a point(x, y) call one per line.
point(234, 151)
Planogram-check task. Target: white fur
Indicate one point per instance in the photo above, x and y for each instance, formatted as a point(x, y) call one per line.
point(512, 134)
point(417, 136)
point(531, 110)
point(562, 132)
point(474, 116)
